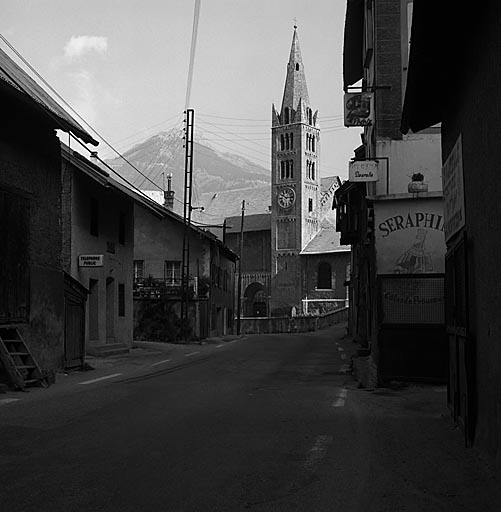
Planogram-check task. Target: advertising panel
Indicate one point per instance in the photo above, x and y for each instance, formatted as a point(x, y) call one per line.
point(358, 109)
point(453, 187)
point(409, 236)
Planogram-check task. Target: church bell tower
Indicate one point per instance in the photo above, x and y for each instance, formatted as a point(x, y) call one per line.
point(295, 184)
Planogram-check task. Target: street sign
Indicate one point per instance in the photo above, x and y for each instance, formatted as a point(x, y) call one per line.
point(90, 260)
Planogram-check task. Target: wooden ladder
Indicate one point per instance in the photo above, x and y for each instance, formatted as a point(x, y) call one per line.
point(19, 364)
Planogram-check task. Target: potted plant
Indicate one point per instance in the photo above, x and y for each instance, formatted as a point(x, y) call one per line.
point(417, 183)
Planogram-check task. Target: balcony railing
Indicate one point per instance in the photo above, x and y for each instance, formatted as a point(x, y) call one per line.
point(158, 287)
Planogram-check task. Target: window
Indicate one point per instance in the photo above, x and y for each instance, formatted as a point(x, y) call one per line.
point(297, 67)
point(313, 143)
point(94, 217)
point(292, 169)
point(172, 272)
point(310, 204)
point(138, 269)
point(121, 228)
point(324, 278)
point(310, 116)
point(282, 142)
point(286, 115)
point(312, 170)
point(121, 299)
point(286, 141)
point(287, 169)
point(292, 140)
point(282, 170)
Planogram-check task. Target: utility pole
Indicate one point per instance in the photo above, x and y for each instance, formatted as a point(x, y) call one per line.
point(239, 300)
point(188, 183)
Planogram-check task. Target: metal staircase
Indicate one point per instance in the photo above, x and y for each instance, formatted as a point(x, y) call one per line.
point(19, 364)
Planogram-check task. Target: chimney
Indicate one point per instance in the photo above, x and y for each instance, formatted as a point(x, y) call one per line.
point(169, 194)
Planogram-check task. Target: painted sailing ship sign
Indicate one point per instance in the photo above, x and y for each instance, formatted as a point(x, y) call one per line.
point(409, 237)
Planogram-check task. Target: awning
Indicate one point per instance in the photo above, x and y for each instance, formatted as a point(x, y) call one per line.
point(443, 41)
point(353, 58)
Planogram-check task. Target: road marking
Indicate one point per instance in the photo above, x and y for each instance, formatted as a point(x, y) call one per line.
point(340, 399)
point(100, 378)
point(191, 354)
point(219, 346)
point(8, 400)
point(161, 362)
point(341, 349)
point(318, 452)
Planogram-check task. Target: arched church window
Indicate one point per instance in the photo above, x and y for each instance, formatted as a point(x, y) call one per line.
point(282, 170)
point(287, 169)
point(313, 143)
point(310, 116)
point(312, 170)
point(310, 204)
point(324, 276)
point(292, 140)
point(286, 141)
point(292, 169)
point(286, 115)
point(282, 143)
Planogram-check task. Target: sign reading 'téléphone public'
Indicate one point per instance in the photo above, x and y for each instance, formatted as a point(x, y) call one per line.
point(90, 260)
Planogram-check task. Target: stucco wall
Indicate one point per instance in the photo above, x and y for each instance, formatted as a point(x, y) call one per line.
point(117, 266)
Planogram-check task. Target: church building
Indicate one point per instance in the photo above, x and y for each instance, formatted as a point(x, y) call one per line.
point(292, 260)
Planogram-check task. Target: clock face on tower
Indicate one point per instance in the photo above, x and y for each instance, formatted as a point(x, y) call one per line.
point(286, 197)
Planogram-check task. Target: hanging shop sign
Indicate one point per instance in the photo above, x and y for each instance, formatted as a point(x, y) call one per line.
point(363, 170)
point(358, 109)
point(453, 190)
point(409, 237)
point(90, 260)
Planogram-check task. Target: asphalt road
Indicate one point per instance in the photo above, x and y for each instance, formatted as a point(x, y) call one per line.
point(265, 423)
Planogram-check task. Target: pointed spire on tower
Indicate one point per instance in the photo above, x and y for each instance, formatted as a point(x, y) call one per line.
point(295, 89)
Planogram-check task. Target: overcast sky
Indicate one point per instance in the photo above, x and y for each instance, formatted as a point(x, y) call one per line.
point(123, 66)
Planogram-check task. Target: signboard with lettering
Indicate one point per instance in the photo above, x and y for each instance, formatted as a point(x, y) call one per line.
point(358, 108)
point(410, 236)
point(90, 260)
point(453, 189)
point(413, 300)
point(363, 170)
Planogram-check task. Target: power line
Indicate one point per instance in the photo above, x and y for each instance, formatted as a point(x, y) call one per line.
point(40, 77)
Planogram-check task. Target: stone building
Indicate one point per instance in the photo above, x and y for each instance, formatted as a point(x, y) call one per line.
point(394, 218)
point(31, 273)
point(292, 258)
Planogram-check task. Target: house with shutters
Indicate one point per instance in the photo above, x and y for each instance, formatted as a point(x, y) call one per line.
point(32, 284)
